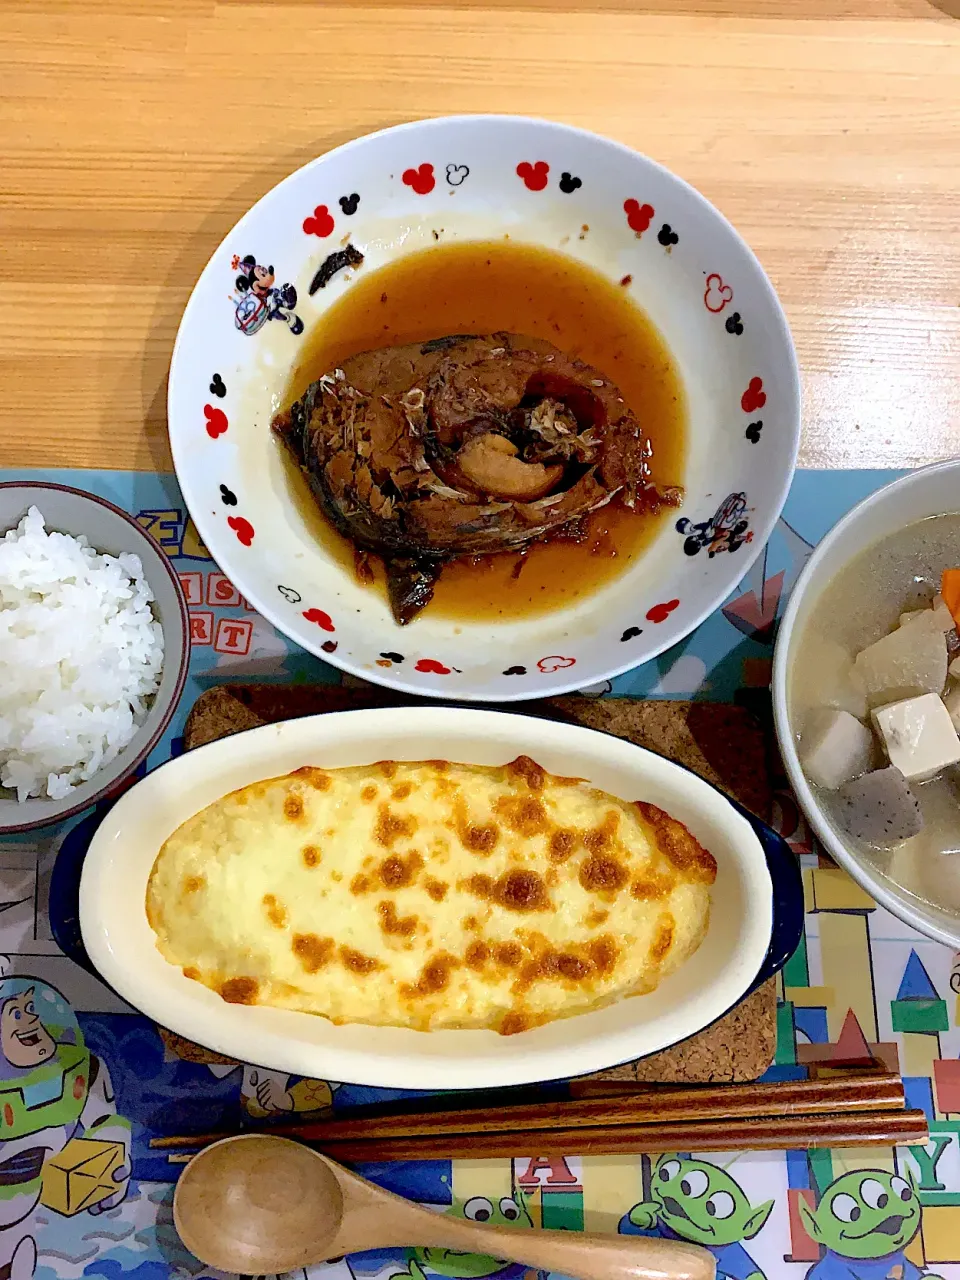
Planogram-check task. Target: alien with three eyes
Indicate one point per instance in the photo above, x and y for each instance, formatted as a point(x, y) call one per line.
point(696, 1201)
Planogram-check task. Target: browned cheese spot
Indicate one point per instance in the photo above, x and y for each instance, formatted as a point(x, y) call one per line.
point(663, 938)
point(240, 990)
point(319, 779)
point(595, 916)
point(439, 766)
point(312, 952)
point(477, 954)
point(387, 767)
point(521, 891)
point(601, 837)
point(368, 793)
point(402, 791)
point(509, 954)
point(523, 814)
point(357, 962)
point(648, 888)
point(437, 889)
point(390, 922)
point(604, 953)
point(573, 967)
point(551, 879)
point(391, 827)
point(678, 844)
point(601, 873)
point(193, 884)
point(397, 872)
point(360, 884)
point(478, 838)
point(191, 971)
point(525, 770)
point(293, 807)
point(470, 922)
point(513, 1023)
point(562, 844)
point(480, 886)
point(277, 913)
point(311, 854)
point(434, 976)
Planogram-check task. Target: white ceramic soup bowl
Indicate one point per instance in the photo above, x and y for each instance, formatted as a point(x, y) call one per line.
point(756, 915)
point(481, 178)
point(931, 491)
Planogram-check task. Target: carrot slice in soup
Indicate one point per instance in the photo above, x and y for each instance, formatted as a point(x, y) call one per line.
point(950, 590)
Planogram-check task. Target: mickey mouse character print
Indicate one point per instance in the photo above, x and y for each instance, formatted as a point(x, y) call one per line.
point(260, 298)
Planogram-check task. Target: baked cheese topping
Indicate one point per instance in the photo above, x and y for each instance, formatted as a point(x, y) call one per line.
point(430, 895)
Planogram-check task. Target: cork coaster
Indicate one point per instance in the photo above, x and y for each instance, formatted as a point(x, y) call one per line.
point(724, 744)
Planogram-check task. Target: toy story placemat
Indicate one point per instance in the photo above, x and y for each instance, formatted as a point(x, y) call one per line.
point(85, 1082)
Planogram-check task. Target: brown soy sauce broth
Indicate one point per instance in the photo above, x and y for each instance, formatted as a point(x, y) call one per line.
point(860, 604)
point(482, 287)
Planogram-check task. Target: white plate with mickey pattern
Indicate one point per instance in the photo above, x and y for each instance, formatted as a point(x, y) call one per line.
point(481, 178)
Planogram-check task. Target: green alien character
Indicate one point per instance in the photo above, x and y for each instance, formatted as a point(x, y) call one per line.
point(865, 1220)
point(696, 1201)
point(506, 1212)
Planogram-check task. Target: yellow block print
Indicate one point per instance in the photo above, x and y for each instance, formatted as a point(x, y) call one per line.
point(833, 890)
point(845, 960)
point(612, 1185)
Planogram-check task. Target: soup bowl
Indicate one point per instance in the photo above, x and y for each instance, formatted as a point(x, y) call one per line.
point(931, 491)
point(483, 178)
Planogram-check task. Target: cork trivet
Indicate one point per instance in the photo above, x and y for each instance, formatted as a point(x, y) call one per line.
point(724, 744)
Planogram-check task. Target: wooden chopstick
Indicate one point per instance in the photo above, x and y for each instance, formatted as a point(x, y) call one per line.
point(655, 1106)
point(776, 1133)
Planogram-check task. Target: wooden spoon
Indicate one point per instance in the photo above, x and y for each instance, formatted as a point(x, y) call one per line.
point(257, 1204)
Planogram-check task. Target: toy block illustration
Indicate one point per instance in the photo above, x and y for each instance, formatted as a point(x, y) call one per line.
point(917, 1008)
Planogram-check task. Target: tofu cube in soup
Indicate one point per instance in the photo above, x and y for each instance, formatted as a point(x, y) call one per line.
point(835, 747)
point(906, 663)
point(919, 736)
point(879, 807)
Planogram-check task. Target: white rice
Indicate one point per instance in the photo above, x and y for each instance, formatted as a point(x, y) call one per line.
point(80, 657)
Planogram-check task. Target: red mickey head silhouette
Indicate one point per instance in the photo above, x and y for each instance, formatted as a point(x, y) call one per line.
point(216, 421)
point(432, 667)
point(322, 619)
point(555, 662)
point(639, 215)
point(534, 175)
point(421, 179)
point(717, 294)
point(242, 528)
point(754, 397)
point(661, 612)
point(321, 224)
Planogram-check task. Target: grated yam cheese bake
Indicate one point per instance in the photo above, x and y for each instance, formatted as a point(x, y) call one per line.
point(430, 895)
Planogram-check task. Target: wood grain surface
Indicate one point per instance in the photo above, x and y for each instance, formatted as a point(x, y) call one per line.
point(133, 133)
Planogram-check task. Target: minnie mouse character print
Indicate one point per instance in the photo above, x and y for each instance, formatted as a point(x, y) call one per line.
point(262, 299)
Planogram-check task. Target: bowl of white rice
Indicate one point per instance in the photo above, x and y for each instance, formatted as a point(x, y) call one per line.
point(94, 647)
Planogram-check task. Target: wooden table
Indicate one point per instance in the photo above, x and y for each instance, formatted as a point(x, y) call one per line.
point(134, 132)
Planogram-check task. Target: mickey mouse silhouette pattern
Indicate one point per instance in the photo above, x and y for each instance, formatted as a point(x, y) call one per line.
point(260, 298)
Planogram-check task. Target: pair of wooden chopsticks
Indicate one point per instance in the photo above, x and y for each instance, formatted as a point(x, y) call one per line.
point(855, 1110)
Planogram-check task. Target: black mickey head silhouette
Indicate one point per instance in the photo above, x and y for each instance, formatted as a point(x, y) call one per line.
point(515, 671)
point(569, 184)
point(753, 431)
point(217, 386)
point(288, 593)
point(631, 633)
point(667, 236)
point(392, 657)
point(734, 324)
point(227, 496)
point(349, 204)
